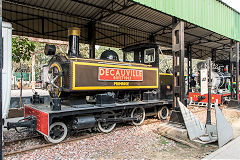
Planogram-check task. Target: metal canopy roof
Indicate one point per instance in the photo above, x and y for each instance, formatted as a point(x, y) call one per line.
point(213, 15)
point(119, 23)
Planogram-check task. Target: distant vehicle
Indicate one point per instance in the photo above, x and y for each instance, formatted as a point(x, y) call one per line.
point(38, 84)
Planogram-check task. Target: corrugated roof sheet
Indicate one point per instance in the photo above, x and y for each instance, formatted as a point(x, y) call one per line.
point(210, 14)
point(119, 23)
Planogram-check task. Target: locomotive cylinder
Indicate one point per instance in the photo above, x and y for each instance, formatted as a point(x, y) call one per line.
point(73, 35)
point(84, 122)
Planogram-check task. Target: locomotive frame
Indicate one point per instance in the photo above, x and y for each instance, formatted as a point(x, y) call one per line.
point(45, 116)
point(94, 114)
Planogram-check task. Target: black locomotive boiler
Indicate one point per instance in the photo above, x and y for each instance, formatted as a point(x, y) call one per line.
point(98, 93)
point(78, 77)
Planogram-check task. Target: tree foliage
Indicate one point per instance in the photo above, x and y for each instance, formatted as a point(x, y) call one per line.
point(84, 50)
point(22, 49)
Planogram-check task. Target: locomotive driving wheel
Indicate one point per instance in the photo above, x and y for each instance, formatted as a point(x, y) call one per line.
point(104, 125)
point(57, 132)
point(163, 113)
point(139, 113)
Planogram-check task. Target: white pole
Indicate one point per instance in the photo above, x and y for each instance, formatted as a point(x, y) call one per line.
point(33, 71)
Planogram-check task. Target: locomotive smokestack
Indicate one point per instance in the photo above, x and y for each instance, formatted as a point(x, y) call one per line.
point(73, 35)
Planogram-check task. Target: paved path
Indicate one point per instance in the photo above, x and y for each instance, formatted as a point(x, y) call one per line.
point(236, 128)
point(28, 92)
point(229, 151)
point(232, 149)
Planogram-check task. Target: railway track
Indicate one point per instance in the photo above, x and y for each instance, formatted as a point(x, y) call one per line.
point(7, 143)
point(147, 122)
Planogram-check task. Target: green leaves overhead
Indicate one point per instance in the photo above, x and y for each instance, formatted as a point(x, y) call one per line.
point(22, 49)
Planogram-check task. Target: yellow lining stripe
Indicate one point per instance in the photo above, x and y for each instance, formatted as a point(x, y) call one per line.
point(108, 61)
point(168, 74)
point(110, 87)
point(56, 65)
point(114, 66)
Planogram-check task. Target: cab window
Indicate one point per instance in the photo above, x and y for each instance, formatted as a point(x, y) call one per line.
point(130, 57)
point(149, 55)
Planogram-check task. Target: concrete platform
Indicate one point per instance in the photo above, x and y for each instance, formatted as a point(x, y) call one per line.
point(173, 131)
point(28, 92)
point(26, 95)
point(14, 103)
point(229, 151)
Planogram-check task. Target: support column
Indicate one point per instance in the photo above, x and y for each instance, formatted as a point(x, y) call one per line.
point(178, 63)
point(231, 68)
point(1, 60)
point(43, 27)
point(237, 72)
point(189, 57)
point(178, 70)
point(33, 71)
point(209, 70)
point(152, 38)
point(92, 38)
point(214, 54)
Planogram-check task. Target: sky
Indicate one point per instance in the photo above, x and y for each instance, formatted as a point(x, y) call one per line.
point(233, 3)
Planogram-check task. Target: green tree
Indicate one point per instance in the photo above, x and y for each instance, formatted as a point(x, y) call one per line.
point(22, 49)
point(40, 59)
point(84, 50)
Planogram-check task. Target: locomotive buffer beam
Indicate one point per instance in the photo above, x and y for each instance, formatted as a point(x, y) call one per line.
point(121, 119)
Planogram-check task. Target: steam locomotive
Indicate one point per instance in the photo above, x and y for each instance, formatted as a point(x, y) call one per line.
point(220, 87)
point(98, 93)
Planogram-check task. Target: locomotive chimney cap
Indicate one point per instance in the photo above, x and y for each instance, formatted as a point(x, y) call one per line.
point(73, 31)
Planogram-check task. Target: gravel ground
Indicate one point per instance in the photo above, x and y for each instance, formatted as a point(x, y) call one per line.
point(127, 143)
point(23, 145)
point(12, 135)
point(141, 142)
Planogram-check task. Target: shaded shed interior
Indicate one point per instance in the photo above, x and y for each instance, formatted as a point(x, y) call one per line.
point(119, 23)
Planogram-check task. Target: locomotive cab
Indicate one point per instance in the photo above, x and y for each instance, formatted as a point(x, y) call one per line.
point(146, 53)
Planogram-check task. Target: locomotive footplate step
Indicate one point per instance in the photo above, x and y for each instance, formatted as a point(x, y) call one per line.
point(90, 108)
point(126, 119)
point(82, 106)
